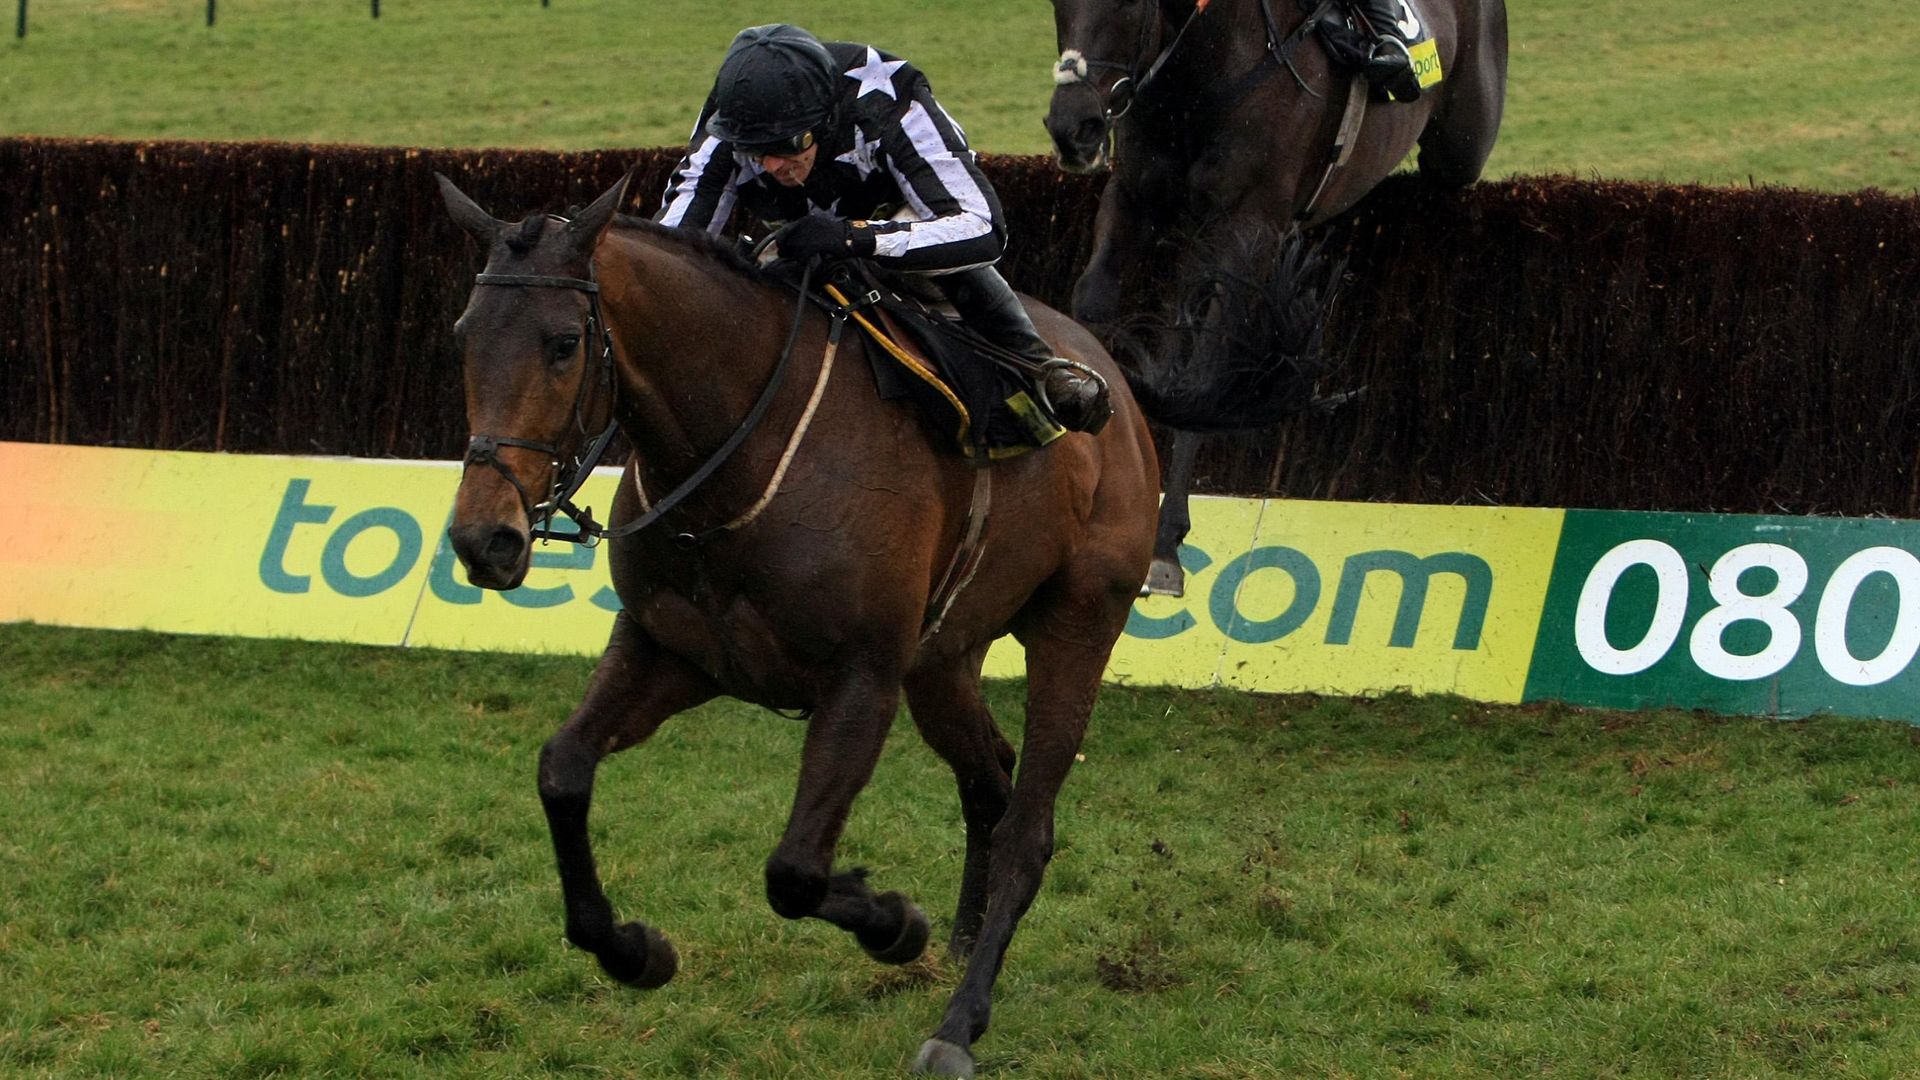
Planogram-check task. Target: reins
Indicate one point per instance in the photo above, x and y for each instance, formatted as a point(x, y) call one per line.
point(1127, 89)
point(570, 476)
point(1280, 48)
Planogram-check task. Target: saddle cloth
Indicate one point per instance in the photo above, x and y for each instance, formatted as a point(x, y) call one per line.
point(1349, 46)
point(985, 407)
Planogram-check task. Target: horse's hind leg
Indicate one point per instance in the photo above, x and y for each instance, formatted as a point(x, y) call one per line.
point(1457, 141)
point(844, 738)
point(952, 716)
point(634, 688)
point(1065, 659)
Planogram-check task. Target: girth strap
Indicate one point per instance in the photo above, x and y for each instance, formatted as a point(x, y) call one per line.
point(1343, 142)
point(966, 557)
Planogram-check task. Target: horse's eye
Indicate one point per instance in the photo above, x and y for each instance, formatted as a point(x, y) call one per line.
point(563, 346)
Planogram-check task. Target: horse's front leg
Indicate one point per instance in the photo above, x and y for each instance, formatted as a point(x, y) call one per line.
point(635, 687)
point(1121, 235)
point(844, 739)
point(1166, 577)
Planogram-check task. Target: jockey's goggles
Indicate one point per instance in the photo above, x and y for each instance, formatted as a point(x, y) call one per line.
point(788, 147)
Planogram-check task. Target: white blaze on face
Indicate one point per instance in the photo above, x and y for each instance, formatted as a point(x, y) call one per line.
point(1071, 69)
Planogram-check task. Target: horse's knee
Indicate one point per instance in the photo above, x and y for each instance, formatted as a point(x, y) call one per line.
point(984, 802)
point(1025, 846)
point(1096, 298)
point(566, 767)
point(794, 891)
point(1455, 147)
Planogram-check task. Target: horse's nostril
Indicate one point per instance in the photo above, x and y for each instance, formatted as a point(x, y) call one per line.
point(504, 546)
point(1089, 131)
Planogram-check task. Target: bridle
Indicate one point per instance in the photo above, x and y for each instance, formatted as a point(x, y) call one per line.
point(569, 475)
point(1126, 89)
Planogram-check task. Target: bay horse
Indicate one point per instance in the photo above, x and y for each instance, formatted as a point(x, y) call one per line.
point(1226, 118)
point(799, 573)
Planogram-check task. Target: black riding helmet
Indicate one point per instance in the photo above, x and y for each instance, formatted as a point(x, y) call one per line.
point(774, 89)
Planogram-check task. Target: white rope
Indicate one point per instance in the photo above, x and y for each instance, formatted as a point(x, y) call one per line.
point(793, 443)
point(786, 458)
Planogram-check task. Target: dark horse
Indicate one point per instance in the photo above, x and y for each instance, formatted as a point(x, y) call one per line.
point(799, 574)
point(1229, 119)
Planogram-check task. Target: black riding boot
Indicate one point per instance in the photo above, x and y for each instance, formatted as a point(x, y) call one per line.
point(1391, 67)
point(1072, 392)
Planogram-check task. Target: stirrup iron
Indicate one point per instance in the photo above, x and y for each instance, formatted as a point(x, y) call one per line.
point(1089, 417)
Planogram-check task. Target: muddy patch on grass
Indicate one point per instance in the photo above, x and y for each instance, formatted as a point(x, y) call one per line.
point(1141, 968)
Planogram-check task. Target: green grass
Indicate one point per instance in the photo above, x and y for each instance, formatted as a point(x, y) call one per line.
point(242, 858)
point(1774, 91)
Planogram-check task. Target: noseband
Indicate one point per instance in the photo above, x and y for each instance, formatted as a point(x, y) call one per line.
point(1130, 85)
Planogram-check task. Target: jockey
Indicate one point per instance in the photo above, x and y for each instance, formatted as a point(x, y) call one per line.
point(1394, 27)
point(835, 137)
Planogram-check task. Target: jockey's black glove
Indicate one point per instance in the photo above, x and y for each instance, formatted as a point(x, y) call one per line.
point(824, 234)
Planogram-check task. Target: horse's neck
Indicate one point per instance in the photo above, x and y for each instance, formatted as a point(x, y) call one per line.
point(1221, 45)
point(1232, 36)
point(1207, 82)
point(698, 341)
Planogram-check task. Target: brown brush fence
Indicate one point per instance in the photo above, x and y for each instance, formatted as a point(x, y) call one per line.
point(1534, 342)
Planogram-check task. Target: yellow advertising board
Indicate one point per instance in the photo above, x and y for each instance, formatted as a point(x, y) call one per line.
point(1354, 598)
point(1610, 608)
point(1281, 595)
point(259, 546)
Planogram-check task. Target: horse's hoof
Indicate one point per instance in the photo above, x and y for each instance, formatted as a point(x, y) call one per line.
point(914, 931)
point(641, 957)
point(939, 1057)
point(1165, 578)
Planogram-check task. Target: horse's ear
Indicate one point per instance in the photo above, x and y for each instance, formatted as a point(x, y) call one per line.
point(467, 213)
point(590, 224)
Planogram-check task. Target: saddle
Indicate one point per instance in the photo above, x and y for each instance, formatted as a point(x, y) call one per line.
point(968, 389)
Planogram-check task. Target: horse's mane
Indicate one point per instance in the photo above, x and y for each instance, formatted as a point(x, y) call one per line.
point(699, 241)
point(526, 236)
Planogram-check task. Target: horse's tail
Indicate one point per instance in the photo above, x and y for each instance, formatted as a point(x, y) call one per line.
point(1244, 343)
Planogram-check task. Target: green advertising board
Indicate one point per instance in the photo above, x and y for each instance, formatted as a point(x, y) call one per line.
point(1734, 613)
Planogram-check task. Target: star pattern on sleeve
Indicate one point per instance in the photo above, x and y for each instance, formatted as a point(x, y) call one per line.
point(860, 157)
point(876, 75)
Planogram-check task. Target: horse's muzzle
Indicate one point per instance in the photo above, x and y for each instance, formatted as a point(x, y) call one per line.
point(1079, 138)
point(496, 556)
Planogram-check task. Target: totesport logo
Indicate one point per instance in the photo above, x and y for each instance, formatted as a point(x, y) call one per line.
point(1788, 616)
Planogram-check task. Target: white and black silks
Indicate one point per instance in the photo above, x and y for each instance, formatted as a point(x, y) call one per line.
point(889, 145)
